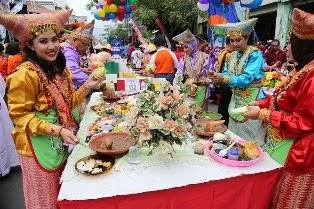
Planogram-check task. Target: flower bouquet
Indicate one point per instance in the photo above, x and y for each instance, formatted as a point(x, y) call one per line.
point(272, 79)
point(162, 118)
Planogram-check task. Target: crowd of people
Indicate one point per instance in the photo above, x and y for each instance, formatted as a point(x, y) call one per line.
point(47, 81)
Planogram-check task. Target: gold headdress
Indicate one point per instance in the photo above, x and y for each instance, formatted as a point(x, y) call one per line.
point(302, 24)
point(84, 33)
point(243, 28)
point(25, 27)
point(185, 37)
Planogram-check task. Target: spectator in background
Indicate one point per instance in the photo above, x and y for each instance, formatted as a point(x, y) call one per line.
point(78, 43)
point(275, 57)
point(8, 154)
point(179, 52)
point(15, 57)
point(107, 48)
point(3, 63)
point(164, 59)
point(130, 50)
point(260, 46)
point(224, 90)
point(137, 58)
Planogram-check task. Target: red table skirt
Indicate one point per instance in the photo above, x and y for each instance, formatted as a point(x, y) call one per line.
point(243, 192)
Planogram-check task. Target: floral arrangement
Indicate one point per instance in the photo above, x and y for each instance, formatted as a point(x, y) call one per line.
point(163, 116)
point(272, 79)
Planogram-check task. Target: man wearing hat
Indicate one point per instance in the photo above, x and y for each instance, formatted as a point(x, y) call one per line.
point(243, 72)
point(76, 45)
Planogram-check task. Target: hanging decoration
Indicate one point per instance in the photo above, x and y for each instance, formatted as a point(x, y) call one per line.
point(204, 5)
point(114, 9)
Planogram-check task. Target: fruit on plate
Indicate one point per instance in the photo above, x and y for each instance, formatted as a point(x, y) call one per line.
point(240, 110)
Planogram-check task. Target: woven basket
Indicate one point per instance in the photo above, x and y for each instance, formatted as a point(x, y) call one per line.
point(119, 147)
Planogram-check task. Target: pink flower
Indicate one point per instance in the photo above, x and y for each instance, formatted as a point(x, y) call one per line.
point(145, 136)
point(170, 124)
point(165, 100)
point(134, 111)
point(183, 110)
point(177, 96)
point(180, 131)
point(142, 124)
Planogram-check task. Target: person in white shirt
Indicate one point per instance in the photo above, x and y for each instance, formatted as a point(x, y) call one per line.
point(136, 58)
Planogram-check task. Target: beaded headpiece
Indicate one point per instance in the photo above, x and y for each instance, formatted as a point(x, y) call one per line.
point(185, 37)
point(302, 24)
point(243, 28)
point(26, 26)
point(84, 33)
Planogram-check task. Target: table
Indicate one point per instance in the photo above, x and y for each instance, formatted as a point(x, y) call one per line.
point(185, 181)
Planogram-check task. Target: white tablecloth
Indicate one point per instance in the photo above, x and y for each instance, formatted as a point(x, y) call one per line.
point(151, 174)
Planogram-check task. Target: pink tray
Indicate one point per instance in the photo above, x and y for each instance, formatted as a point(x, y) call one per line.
point(234, 163)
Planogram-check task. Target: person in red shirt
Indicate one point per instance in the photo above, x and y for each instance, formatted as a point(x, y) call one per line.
point(275, 58)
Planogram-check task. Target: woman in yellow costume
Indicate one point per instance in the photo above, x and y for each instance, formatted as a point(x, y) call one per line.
point(40, 101)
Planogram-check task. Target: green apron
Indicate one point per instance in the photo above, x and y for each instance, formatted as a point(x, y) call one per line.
point(240, 98)
point(200, 96)
point(49, 150)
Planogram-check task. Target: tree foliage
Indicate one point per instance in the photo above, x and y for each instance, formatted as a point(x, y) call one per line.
point(121, 31)
point(177, 16)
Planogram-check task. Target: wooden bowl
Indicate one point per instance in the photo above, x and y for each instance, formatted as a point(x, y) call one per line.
point(115, 144)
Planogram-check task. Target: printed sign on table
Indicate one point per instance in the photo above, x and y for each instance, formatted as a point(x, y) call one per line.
point(132, 86)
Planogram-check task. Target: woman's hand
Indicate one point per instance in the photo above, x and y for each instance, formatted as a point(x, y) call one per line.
point(93, 82)
point(68, 136)
point(252, 113)
point(216, 77)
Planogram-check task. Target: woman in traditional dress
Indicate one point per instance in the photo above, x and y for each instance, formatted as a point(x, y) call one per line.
point(193, 68)
point(289, 114)
point(243, 72)
point(8, 155)
point(40, 101)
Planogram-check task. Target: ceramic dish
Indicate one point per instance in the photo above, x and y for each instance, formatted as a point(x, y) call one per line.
point(94, 164)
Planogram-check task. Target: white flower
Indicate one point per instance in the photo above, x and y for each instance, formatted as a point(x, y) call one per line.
point(155, 122)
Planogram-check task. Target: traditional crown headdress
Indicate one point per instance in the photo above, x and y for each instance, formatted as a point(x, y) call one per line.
point(185, 37)
point(243, 28)
point(302, 24)
point(26, 26)
point(84, 33)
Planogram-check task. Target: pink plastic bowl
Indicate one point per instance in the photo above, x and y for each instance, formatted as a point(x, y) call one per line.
point(234, 163)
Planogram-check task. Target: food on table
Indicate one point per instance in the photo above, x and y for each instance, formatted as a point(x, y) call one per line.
point(108, 143)
point(251, 149)
point(246, 151)
point(93, 166)
point(219, 136)
point(213, 126)
point(240, 110)
point(198, 148)
point(210, 115)
point(109, 93)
